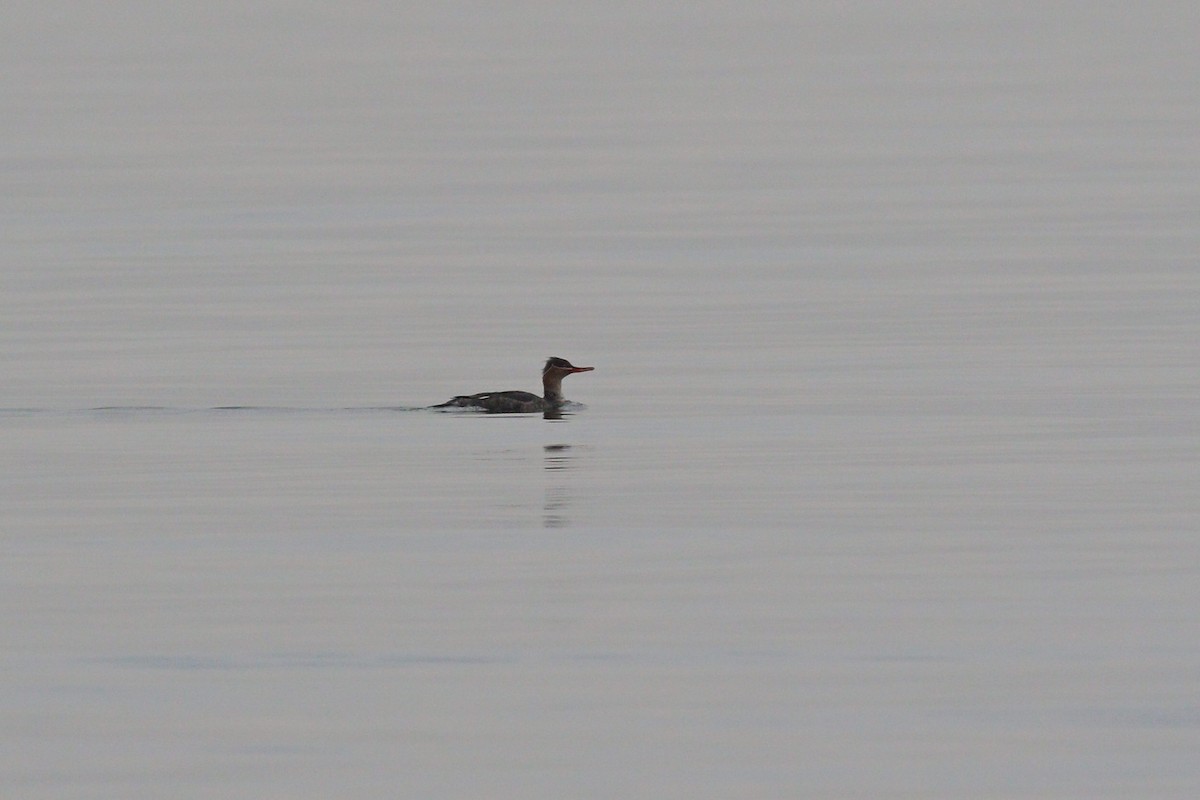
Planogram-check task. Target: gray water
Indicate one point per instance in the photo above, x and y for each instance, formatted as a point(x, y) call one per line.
point(885, 483)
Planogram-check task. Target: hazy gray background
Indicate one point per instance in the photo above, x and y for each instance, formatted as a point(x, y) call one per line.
point(887, 482)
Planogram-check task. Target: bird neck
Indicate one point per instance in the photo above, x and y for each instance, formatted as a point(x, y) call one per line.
point(552, 387)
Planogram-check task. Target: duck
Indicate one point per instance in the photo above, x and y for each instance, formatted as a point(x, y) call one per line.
point(518, 402)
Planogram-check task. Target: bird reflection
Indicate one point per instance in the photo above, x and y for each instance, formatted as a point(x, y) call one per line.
point(558, 459)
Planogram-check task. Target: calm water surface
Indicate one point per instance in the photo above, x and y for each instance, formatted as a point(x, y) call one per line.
point(884, 484)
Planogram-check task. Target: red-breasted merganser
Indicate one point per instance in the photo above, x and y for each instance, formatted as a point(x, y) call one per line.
point(522, 402)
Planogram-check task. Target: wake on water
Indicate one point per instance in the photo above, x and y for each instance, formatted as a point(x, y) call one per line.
point(146, 410)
